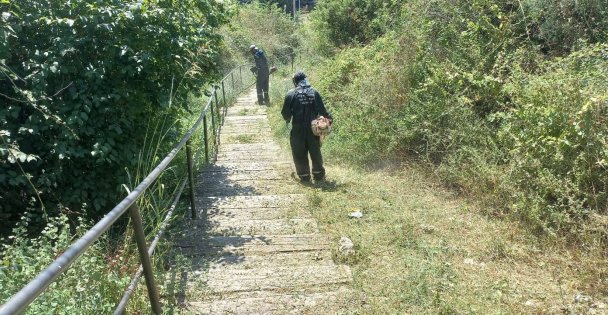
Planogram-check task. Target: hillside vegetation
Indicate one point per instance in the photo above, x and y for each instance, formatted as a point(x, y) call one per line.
point(472, 136)
point(505, 101)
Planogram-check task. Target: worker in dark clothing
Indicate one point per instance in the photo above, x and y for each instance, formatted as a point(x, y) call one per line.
point(302, 105)
point(262, 74)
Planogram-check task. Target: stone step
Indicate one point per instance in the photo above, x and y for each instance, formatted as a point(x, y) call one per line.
point(245, 137)
point(247, 166)
point(248, 187)
point(259, 302)
point(282, 165)
point(251, 158)
point(254, 213)
point(273, 278)
point(236, 262)
point(238, 226)
point(247, 122)
point(243, 108)
point(232, 175)
point(250, 135)
point(257, 146)
point(250, 155)
point(247, 130)
point(251, 202)
point(259, 244)
point(262, 117)
point(270, 160)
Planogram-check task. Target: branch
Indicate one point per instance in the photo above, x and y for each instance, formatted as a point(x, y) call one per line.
point(24, 174)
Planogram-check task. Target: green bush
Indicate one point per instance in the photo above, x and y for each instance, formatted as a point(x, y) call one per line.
point(81, 82)
point(556, 135)
point(93, 284)
point(345, 22)
point(558, 25)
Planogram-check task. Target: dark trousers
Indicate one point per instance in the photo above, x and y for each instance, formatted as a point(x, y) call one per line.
point(303, 143)
point(261, 85)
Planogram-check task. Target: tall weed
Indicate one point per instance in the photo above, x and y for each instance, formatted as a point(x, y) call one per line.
point(556, 135)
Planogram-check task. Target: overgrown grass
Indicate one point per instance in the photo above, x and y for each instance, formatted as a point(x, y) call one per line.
point(421, 248)
point(450, 89)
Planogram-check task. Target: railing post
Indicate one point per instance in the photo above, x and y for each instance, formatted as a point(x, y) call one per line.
point(142, 248)
point(191, 179)
point(232, 76)
point(224, 103)
point(241, 75)
point(292, 58)
point(205, 134)
point(217, 107)
point(212, 118)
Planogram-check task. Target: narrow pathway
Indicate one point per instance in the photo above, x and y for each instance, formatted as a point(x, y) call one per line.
point(259, 251)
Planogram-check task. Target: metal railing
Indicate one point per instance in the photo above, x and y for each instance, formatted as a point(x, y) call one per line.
point(230, 86)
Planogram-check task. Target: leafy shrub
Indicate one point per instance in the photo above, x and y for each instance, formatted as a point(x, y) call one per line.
point(556, 137)
point(558, 25)
point(93, 284)
point(81, 81)
point(345, 22)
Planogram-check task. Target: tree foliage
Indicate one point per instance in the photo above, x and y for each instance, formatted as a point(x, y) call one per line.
point(345, 22)
point(81, 81)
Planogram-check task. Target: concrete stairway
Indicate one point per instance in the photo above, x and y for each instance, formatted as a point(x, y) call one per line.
point(258, 251)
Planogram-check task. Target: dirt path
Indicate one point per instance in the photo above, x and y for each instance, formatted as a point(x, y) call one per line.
point(259, 251)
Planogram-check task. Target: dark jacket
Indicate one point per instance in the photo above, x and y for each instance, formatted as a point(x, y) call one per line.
point(302, 105)
point(261, 63)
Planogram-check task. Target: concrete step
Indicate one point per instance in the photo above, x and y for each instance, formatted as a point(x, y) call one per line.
point(250, 156)
point(258, 146)
point(251, 202)
point(254, 245)
point(238, 226)
point(243, 110)
point(223, 280)
point(248, 187)
point(254, 213)
point(248, 132)
point(233, 175)
point(238, 262)
point(325, 302)
point(255, 165)
point(247, 118)
point(246, 137)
